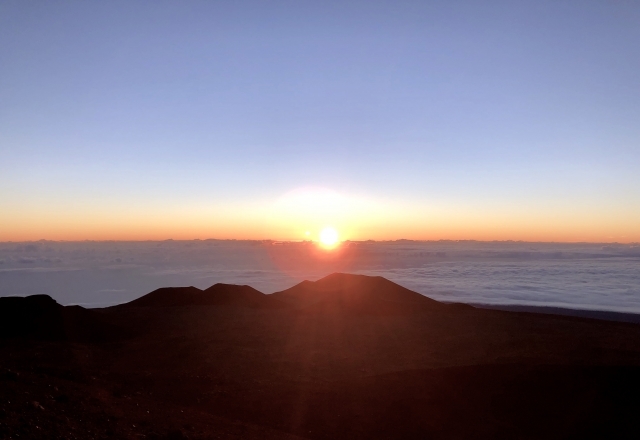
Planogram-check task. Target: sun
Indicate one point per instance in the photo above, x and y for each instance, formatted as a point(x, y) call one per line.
point(328, 237)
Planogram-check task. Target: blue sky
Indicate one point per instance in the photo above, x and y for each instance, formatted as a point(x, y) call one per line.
point(462, 108)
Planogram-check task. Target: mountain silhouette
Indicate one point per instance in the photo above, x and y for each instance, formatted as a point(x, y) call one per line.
point(335, 293)
point(167, 297)
point(343, 357)
point(240, 295)
point(341, 292)
point(218, 294)
point(41, 317)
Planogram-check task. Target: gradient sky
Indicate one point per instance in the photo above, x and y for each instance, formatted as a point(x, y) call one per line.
point(267, 119)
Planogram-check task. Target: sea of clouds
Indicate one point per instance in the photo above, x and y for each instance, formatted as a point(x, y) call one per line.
point(97, 274)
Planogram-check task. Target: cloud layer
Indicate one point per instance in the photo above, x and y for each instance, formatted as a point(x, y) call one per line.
point(587, 276)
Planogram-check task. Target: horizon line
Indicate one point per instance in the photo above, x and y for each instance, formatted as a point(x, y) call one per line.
point(270, 240)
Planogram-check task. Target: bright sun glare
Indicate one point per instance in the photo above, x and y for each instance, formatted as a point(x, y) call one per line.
point(328, 237)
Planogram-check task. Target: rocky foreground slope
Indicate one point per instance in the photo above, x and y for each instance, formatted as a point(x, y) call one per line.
point(344, 357)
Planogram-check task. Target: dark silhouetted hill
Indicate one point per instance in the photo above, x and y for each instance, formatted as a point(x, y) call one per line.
point(344, 357)
point(41, 317)
point(218, 294)
point(167, 297)
point(356, 294)
point(240, 295)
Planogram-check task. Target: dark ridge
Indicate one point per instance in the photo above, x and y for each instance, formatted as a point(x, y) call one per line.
point(36, 316)
point(41, 317)
point(358, 294)
point(544, 310)
point(218, 294)
point(367, 369)
point(167, 297)
point(221, 293)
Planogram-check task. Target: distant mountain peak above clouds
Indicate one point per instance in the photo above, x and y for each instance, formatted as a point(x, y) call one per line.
point(218, 294)
point(166, 297)
point(356, 293)
point(338, 292)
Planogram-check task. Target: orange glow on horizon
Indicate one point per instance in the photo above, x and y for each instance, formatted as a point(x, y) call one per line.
point(303, 214)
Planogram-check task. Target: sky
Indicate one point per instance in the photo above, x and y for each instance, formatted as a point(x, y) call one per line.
point(422, 120)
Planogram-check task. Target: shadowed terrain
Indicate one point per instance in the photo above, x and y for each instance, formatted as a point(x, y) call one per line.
point(218, 294)
point(347, 356)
